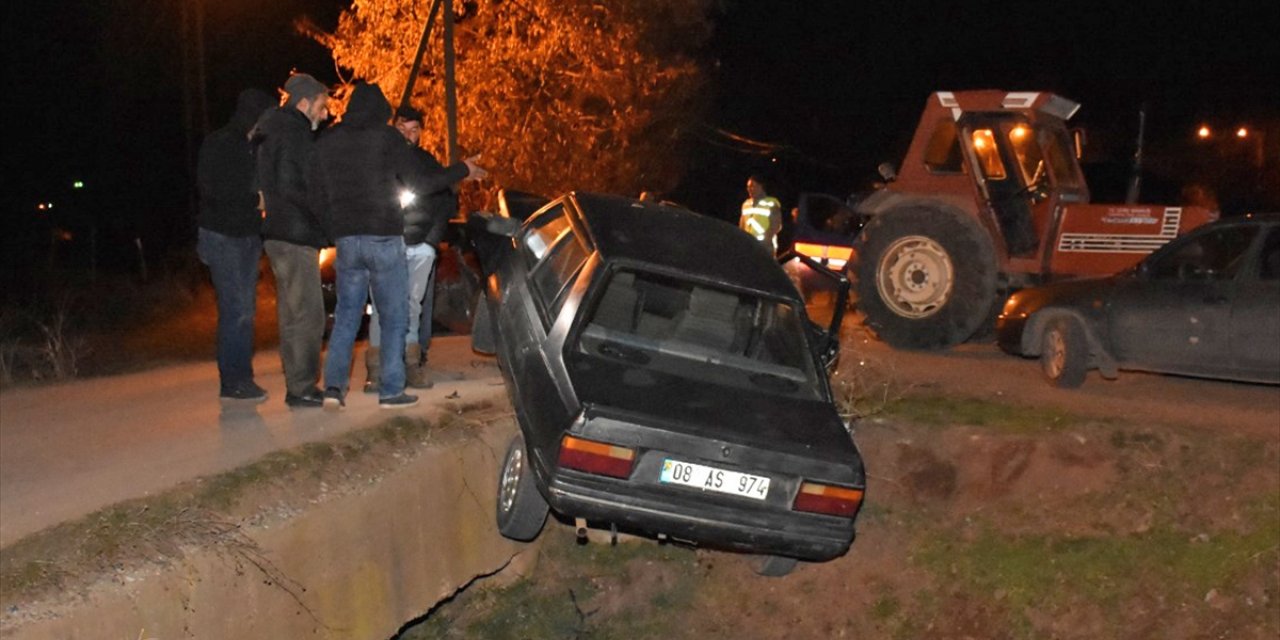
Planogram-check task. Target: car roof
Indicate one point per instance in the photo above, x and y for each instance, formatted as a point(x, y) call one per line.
point(679, 240)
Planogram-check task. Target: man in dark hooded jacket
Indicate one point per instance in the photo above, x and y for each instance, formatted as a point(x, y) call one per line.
point(229, 242)
point(426, 218)
point(356, 174)
point(293, 234)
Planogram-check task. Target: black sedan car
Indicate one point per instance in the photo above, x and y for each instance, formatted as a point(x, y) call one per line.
point(666, 381)
point(1206, 305)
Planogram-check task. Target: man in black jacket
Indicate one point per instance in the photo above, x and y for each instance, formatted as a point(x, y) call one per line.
point(359, 168)
point(229, 242)
point(293, 233)
point(426, 217)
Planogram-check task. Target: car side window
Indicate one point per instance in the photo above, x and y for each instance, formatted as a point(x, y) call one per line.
point(552, 276)
point(541, 233)
point(1269, 259)
point(1212, 256)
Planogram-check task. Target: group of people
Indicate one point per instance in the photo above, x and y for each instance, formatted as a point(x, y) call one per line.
point(271, 180)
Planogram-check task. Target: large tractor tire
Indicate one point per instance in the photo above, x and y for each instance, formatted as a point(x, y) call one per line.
point(925, 277)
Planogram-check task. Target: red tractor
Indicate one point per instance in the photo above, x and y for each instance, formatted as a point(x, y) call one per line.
point(989, 199)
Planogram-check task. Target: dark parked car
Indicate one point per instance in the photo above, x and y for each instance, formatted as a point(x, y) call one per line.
point(1206, 305)
point(666, 381)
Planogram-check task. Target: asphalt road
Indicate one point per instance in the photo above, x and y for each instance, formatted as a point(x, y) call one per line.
point(68, 450)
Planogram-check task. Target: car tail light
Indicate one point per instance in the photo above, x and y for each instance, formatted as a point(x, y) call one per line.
point(822, 498)
point(596, 457)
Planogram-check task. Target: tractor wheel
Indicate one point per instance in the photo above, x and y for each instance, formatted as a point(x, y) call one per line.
point(926, 278)
point(1064, 353)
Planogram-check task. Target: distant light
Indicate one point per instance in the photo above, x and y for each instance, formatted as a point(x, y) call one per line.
point(773, 159)
point(1203, 132)
point(1242, 132)
point(41, 207)
point(78, 184)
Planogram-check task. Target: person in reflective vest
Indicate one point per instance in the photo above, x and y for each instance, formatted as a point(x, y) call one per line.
point(761, 214)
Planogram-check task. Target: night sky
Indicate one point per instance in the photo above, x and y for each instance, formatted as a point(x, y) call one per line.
point(93, 89)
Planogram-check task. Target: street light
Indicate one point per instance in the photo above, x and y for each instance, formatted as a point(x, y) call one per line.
point(1203, 132)
point(1242, 133)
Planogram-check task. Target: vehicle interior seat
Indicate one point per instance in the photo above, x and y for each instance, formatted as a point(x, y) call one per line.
point(617, 309)
point(709, 320)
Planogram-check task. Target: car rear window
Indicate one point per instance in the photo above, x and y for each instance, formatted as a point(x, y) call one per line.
point(696, 330)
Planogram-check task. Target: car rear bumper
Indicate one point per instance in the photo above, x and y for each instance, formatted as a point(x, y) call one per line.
point(750, 528)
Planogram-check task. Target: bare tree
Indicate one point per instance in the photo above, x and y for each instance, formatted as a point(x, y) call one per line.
point(557, 94)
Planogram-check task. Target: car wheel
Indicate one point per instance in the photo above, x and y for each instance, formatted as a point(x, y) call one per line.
point(925, 277)
point(521, 509)
point(773, 566)
point(1064, 353)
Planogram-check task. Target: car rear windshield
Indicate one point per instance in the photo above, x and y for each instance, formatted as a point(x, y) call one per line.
point(705, 333)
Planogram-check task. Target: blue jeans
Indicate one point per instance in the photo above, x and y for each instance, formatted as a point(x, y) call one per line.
point(233, 266)
point(421, 260)
point(365, 264)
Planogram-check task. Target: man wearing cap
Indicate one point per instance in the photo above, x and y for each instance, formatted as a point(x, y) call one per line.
point(359, 168)
point(292, 232)
point(426, 217)
point(230, 244)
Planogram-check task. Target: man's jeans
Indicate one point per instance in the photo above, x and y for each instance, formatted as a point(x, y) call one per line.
point(300, 312)
point(364, 264)
point(233, 265)
point(421, 264)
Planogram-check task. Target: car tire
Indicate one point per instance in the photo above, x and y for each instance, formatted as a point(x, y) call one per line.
point(925, 277)
point(1064, 353)
point(521, 509)
point(773, 566)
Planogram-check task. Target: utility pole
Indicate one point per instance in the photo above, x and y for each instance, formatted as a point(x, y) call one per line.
point(450, 85)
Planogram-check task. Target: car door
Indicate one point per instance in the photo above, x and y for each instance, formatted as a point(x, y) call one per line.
point(1175, 316)
point(1255, 314)
point(549, 258)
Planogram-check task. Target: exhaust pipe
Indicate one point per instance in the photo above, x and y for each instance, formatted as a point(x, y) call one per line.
point(580, 527)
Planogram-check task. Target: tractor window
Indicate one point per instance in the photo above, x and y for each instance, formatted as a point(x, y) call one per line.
point(943, 153)
point(1062, 161)
point(1027, 150)
point(984, 146)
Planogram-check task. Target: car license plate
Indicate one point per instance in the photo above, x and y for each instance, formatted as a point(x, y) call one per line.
point(712, 479)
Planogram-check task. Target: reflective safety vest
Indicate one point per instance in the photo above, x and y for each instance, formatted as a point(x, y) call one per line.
point(762, 219)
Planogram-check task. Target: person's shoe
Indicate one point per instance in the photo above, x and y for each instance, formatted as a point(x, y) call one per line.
point(401, 401)
point(250, 392)
point(311, 398)
point(333, 399)
point(415, 375)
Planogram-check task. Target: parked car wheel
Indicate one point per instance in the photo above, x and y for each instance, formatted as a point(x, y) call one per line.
point(521, 509)
point(1064, 353)
point(773, 566)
